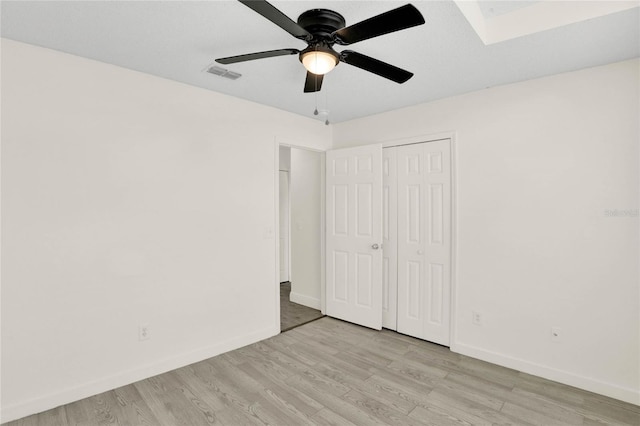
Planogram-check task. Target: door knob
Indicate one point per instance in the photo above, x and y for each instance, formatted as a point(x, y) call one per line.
point(420, 252)
point(375, 246)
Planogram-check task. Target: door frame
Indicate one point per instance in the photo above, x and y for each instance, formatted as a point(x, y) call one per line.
point(278, 142)
point(288, 248)
point(454, 217)
point(452, 135)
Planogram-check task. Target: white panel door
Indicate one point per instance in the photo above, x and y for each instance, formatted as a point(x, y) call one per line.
point(410, 239)
point(424, 240)
point(354, 235)
point(284, 226)
point(389, 238)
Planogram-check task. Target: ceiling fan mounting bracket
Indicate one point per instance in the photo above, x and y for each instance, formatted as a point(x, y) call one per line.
point(321, 23)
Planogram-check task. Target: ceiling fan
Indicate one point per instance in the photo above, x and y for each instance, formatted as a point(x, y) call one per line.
point(321, 29)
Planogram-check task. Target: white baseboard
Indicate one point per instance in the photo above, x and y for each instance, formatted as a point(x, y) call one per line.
point(47, 402)
point(629, 395)
point(302, 299)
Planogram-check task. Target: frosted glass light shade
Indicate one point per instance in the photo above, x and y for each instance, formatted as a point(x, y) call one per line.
point(319, 62)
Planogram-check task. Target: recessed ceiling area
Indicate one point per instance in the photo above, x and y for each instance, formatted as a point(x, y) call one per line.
point(180, 40)
point(491, 8)
point(497, 21)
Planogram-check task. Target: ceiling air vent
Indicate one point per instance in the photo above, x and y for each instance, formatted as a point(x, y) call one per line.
point(222, 72)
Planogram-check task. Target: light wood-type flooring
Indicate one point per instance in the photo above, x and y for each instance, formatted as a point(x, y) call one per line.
point(291, 314)
point(329, 372)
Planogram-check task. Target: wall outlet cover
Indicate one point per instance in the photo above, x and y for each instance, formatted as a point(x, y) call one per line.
point(144, 332)
point(476, 318)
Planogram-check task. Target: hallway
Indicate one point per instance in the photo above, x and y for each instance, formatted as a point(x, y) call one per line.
point(291, 314)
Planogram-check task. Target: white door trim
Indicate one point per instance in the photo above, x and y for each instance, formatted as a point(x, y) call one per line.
point(285, 269)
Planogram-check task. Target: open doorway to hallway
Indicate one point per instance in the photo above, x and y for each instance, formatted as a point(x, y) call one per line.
point(292, 314)
point(300, 235)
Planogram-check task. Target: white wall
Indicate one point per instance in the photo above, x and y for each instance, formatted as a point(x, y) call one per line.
point(539, 164)
point(126, 200)
point(306, 235)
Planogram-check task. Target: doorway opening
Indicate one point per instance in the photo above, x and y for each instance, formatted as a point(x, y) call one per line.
point(300, 235)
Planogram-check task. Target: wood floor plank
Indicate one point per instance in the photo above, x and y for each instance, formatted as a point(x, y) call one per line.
point(75, 411)
point(393, 399)
point(437, 416)
point(480, 384)
point(137, 413)
point(301, 354)
point(330, 372)
point(289, 362)
point(415, 373)
point(404, 381)
point(380, 409)
point(475, 396)
point(231, 416)
point(596, 412)
point(354, 368)
point(466, 366)
point(338, 405)
point(321, 382)
point(171, 407)
point(326, 417)
point(268, 364)
point(281, 340)
point(278, 390)
point(127, 394)
point(103, 409)
point(469, 409)
point(265, 404)
point(200, 385)
point(400, 389)
point(235, 398)
point(597, 409)
point(54, 417)
point(538, 417)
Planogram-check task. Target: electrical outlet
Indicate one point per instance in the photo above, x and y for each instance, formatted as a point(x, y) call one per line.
point(476, 318)
point(556, 334)
point(144, 332)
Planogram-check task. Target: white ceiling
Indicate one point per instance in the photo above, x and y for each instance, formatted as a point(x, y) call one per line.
point(178, 40)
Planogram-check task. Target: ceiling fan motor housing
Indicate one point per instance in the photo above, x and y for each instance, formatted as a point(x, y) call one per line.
point(321, 23)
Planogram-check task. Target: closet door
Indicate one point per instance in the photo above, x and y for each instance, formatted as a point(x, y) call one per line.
point(354, 235)
point(389, 239)
point(411, 238)
point(424, 240)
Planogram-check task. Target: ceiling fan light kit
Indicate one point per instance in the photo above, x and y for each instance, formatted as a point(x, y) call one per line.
point(321, 29)
point(319, 60)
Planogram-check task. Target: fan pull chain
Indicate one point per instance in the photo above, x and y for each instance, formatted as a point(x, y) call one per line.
point(315, 83)
point(326, 106)
point(315, 111)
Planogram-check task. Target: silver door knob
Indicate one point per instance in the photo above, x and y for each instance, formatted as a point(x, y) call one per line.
point(375, 246)
point(420, 252)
